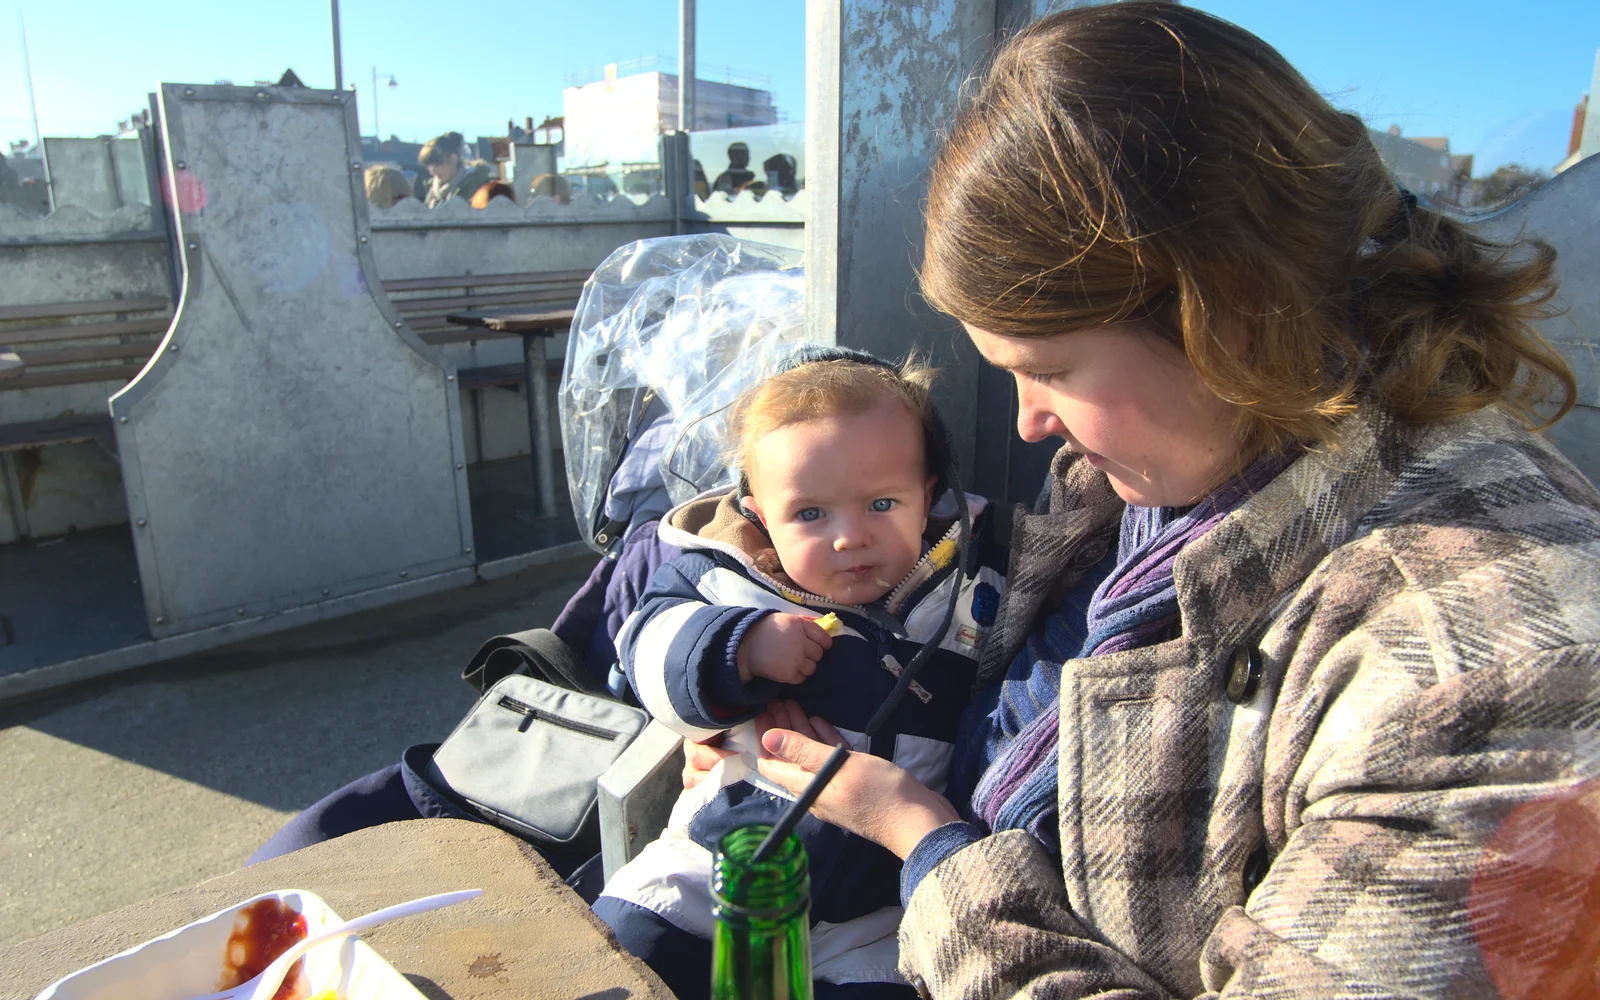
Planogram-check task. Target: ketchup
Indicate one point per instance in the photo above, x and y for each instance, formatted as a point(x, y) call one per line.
point(261, 932)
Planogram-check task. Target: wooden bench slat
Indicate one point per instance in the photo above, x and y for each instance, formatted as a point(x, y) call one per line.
point(108, 373)
point(484, 280)
point(59, 430)
point(456, 303)
point(84, 331)
point(57, 310)
point(105, 352)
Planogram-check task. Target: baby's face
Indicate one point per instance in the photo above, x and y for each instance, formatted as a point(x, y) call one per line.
point(845, 500)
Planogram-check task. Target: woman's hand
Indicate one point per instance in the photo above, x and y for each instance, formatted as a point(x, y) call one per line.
point(869, 796)
point(700, 758)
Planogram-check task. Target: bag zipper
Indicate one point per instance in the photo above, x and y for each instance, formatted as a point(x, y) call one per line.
point(530, 713)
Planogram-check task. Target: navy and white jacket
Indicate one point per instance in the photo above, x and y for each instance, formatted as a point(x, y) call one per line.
point(679, 648)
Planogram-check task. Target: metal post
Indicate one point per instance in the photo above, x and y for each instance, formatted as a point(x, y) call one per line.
point(338, 57)
point(375, 132)
point(677, 177)
point(542, 447)
point(686, 65)
point(27, 71)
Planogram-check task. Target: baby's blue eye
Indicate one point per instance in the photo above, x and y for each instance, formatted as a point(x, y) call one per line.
point(809, 514)
point(883, 505)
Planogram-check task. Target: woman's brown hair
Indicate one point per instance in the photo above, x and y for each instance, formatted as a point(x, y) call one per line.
point(1147, 161)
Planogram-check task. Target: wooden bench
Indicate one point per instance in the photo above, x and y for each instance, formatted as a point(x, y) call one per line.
point(128, 337)
point(424, 303)
point(124, 332)
point(110, 340)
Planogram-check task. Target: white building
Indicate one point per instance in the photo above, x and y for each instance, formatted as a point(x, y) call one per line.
point(619, 119)
point(1589, 135)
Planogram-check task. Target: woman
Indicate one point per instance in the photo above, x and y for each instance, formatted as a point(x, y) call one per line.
point(1338, 678)
point(452, 176)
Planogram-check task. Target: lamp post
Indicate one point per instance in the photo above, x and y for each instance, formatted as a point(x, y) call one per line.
point(377, 137)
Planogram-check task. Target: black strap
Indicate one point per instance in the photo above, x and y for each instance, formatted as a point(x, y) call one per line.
point(538, 653)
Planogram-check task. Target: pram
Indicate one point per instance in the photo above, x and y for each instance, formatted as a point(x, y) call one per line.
point(667, 334)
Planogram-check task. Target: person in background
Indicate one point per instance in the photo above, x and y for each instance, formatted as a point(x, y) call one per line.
point(452, 176)
point(780, 169)
point(491, 191)
point(386, 184)
point(551, 186)
point(733, 180)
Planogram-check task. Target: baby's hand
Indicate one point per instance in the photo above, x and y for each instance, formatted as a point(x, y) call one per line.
point(782, 648)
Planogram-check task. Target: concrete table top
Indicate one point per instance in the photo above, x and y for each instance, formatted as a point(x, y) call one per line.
point(528, 937)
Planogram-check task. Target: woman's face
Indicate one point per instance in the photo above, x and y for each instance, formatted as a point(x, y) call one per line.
point(444, 169)
point(1128, 401)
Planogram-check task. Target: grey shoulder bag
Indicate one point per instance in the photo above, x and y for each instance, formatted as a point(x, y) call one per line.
point(529, 755)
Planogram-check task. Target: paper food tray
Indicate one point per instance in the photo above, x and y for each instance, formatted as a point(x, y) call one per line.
point(188, 962)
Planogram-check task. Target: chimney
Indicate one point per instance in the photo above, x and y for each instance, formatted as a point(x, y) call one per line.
point(1394, 129)
point(1579, 115)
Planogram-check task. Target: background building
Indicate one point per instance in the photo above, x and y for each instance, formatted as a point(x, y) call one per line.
point(616, 121)
point(1585, 127)
point(1424, 165)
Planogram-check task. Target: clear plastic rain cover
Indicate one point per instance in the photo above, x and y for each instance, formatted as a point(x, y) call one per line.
point(667, 334)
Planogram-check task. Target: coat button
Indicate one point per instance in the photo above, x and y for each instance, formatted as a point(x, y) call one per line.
point(1255, 868)
point(1244, 674)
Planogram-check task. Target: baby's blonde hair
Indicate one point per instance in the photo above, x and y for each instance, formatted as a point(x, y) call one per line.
point(833, 388)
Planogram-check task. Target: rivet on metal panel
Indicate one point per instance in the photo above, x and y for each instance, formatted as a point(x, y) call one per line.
point(404, 574)
point(449, 378)
point(326, 591)
point(467, 549)
point(192, 245)
point(355, 166)
point(181, 165)
point(239, 612)
point(398, 324)
point(140, 522)
point(460, 465)
point(261, 95)
point(188, 92)
point(173, 348)
point(161, 619)
point(363, 239)
point(122, 420)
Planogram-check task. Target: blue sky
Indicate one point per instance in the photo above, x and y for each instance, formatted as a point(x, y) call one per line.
point(1500, 79)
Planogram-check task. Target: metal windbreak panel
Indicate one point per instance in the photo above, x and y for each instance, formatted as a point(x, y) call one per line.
point(291, 441)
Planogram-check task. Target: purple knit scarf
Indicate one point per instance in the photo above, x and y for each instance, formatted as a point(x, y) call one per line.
point(1133, 607)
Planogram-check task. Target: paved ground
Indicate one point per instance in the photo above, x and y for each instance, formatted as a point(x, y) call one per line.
point(159, 778)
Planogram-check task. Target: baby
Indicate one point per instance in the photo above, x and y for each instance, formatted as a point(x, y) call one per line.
point(843, 459)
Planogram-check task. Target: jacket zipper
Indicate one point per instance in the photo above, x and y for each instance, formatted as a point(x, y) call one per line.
point(530, 714)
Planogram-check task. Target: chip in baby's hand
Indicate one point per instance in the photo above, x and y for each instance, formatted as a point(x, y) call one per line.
point(830, 623)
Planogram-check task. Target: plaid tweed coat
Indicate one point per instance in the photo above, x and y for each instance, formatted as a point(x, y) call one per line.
point(1424, 605)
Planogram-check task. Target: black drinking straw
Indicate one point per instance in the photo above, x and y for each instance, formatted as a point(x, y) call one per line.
point(802, 805)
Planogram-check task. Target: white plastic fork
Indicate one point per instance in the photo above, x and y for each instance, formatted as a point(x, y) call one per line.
point(266, 984)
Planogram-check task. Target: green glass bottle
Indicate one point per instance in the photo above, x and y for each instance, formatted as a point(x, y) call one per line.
point(761, 949)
